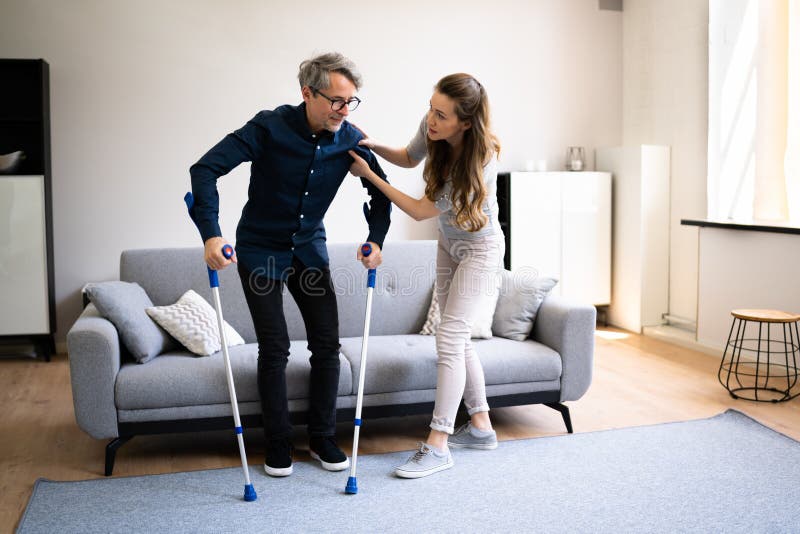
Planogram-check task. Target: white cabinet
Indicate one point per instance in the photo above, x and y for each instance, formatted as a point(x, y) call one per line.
point(559, 223)
point(641, 234)
point(23, 257)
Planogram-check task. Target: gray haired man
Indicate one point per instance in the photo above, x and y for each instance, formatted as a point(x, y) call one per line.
point(299, 157)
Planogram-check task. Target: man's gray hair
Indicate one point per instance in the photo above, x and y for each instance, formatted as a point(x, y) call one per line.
point(314, 72)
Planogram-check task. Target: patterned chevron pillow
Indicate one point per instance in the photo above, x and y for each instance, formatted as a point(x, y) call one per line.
point(193, 322)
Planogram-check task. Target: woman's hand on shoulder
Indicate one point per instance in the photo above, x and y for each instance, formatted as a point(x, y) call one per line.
point(367, 141)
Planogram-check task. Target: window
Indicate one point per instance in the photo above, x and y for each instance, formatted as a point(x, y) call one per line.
point(754, 110)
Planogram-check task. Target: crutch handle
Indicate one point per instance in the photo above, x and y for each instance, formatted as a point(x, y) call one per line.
point(366, 250)
point(213, 278)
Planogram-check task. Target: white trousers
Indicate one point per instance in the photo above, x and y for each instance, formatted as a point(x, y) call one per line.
point(466, 282)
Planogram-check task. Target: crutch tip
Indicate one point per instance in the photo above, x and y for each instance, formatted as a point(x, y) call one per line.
point(250, 493)
point(352, 487)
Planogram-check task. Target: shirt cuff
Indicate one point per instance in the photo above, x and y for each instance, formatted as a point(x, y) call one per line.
point(209, 230)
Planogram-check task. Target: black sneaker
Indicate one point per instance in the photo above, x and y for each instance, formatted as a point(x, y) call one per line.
point(279, 458)
point(329, 454)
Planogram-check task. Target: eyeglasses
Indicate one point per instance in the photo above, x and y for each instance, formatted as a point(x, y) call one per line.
point(338, 103)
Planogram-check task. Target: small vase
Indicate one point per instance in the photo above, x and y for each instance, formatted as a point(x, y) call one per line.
point(575, 158)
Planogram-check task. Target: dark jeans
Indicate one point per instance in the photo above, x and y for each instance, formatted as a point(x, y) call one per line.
point(315, 297)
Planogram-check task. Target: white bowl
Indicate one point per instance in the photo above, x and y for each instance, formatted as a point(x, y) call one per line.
point(9, 163)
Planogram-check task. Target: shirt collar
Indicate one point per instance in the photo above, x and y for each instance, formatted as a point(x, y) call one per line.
point(301, 123)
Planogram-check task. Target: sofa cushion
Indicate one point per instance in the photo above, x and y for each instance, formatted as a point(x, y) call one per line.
point(124, 305)
point(193, 322)
point(394, 363)
point(408, 362)
point(508, 362)
point(180, 379)
point(521, 294)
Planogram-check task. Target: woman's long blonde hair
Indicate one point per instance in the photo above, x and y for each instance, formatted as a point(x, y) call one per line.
point(479, 143)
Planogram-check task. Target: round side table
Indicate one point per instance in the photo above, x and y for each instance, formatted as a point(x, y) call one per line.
point(761, 356)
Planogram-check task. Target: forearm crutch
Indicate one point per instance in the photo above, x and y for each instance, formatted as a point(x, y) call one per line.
point(213, 279)
point(352, 486)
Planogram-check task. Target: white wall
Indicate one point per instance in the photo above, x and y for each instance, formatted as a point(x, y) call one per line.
point(139, 91)
point(665, 102)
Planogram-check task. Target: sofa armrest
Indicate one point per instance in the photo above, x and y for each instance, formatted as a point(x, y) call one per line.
point(94, 361)
point(568, 328)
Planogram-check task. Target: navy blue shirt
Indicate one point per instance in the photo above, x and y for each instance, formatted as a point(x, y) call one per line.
point(294, 177)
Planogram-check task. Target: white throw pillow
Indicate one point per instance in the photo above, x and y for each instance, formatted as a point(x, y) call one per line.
point(521, 294)
point(193, 322)
point(481, 327)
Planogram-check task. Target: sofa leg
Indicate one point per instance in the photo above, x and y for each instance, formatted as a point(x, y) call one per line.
point(111, 452)
point(564, 413)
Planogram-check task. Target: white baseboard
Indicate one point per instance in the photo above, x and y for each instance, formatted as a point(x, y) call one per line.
point(681, 337)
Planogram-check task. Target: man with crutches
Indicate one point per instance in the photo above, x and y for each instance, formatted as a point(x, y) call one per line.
point(299, 158)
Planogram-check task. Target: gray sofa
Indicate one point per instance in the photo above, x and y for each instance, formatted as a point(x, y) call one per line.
point(116, 398)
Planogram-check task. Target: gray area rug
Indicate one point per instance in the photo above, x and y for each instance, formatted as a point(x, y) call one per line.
point(727, 473)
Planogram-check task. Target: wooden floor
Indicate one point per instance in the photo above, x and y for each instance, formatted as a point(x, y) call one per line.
point(638, 380)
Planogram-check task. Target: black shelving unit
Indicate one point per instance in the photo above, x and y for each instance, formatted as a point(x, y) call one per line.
point(504, 212)
point(25, 125)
